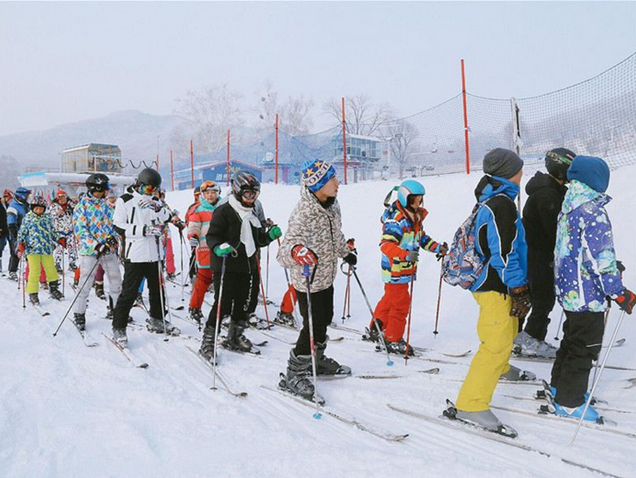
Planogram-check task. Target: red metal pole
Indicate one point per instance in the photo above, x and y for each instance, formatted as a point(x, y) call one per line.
point(276, 155)
point(465, 120)
point(228, 159)
point(344, 141)
point(191, 165)
point(171, 170)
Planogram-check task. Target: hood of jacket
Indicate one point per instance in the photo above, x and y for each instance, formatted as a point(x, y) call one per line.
point(490, 186)
point(542, 180)
point(580, 193)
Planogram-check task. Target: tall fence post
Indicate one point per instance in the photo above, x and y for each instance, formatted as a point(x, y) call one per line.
point(171, 170)
point(344, 141)
point(465, 120)
point(227, 167)
point(516, 138)
point(276, 154)
point(191, 165)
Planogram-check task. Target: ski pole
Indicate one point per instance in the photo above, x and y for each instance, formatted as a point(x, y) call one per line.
point(408, 327)
point(21, 279)
point(162, 289)
point(260, 277)
point(267, 273)
point(439, 298)
point(218, 320)
point(310, 319)
point(90, 274)
point(63, 274)
point(604, 325)
point(182, 241)
point(347, 292)
point(556, 337)
point(598, 378)
point(389, 362)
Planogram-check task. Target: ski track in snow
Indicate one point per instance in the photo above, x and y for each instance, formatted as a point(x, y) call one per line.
point(67, 410)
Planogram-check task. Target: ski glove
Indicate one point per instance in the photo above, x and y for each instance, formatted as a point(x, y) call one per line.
point(520, 302)
point(351, 243)
point(194, 241)
point(626, 301)
point(102, 249)
point(412, 256)
point(223, 250)
point(150, 204)
point(442, 250)
point(351, 259)
point(62, 241)
point(275, 233)
point(154, 230)
point(21, 249)
point(303, 255)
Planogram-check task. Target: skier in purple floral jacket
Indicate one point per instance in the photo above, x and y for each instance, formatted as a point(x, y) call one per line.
point(586, 275)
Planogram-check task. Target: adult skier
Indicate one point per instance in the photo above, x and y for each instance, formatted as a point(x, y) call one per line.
point(586, 274)
point(314, 237)
point(4, 227)
point(18, 208)
point(234, 235)
point(61, 210)
point(540, 215)
point(402, 237)
point(199, 223)
point(93, 226)
point(141, 219)
point(192, 268)
point(501, 291)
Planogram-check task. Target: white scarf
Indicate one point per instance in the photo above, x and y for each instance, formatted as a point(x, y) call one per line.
point(248, 220)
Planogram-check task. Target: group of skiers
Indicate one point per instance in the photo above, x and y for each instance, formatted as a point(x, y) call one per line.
point(562, 247)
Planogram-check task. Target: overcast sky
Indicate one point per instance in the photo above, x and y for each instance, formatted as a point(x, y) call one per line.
point(65, 62)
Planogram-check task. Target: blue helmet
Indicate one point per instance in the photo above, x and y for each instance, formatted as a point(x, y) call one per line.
point(407, 188)
point(22, 193)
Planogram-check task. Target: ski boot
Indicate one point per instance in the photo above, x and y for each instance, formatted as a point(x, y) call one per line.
point(34, 299)
point(195, 314)
point(157, 326)
point(515, 374)
point(120, 337)
point(75, 283)
point(399, 348)
point(139, 301)
point(13, 276)
point(372, 334)
point(326, 365)
point(591, 415)
point(526, 345)
point(207, 344)
point(54, 290)
point(485, 419)
point(285, 318)
point(72, 266)
point(298, 380)
point(99, 290)
point(237, 341)
point(80, 321)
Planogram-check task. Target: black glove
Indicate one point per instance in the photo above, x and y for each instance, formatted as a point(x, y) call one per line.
point(626, 301)
point(351, 259)
point(102, 249)
point(520, 302)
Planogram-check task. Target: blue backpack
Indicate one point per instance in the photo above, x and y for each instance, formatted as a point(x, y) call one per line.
point(462, 265)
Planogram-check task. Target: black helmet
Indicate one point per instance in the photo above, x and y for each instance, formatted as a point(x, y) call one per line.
point(243, 181)
point(38, 201)
point(149, 177)
point(557, 162)
point(97, 182)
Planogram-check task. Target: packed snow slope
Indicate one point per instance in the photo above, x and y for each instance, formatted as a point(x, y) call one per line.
point(67, 410)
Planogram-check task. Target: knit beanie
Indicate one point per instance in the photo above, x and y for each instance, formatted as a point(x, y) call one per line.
point(316, 174)
point(502, 162)
point(590, 170)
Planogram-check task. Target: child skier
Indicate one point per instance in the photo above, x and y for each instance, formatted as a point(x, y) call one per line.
point(37, 239)
point(586, 274)
point(61, 210)
point(402, 237)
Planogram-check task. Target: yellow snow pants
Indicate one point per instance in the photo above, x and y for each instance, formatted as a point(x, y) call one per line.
point(47, 262)
point(497, 330)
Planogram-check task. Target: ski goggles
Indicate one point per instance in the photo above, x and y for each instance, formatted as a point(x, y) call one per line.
point(207, 185)
point(147, 189)
point(250, 194)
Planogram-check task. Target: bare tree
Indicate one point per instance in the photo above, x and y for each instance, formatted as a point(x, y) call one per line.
point(401, 135)
point(361, 115)
point(210, 112)
point(294, 114)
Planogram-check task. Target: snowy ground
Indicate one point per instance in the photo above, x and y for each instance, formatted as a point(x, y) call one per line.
point(71, 411)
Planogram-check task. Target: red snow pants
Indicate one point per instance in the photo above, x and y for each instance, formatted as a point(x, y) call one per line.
point(200, 287)
point(392, 311)
point(289, 301)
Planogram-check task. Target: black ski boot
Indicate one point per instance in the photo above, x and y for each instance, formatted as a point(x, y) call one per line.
point(195, 314)
point(399, 348)
point(54, 290)
point(34, 299)
point(285, 318)
point(237, 341)
point(372, 334)
point(13, 276)
point(298, 379)
point(157, 326)
point(120, 337)
point(80, 321)
point(326, 365)
point(207, 344)
point(99, 290)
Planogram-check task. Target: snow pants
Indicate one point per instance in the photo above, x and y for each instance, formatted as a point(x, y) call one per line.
point(322, 314)
point(169, 254)
point(581, 344)
point(35, 262)
point(200, 287)
point(392, 311)
point(71, 248)
point(497, 330)
point(110, 264)
point(541, 282)
point(289, 301)
point(134, 273)
point(236, 289)
point(255, 286)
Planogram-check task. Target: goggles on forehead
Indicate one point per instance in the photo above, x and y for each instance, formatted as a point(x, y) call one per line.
point(206, 185)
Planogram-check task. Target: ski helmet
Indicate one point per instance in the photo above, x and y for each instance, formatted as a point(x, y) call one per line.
point(38, 201)
point(97, 182)
point(410, 187)
point(205, 185)
point(22, 193)
point(558, 161)
point(244, 181)
point(149, 177)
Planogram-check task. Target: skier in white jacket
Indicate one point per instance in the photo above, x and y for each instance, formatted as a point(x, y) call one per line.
point(140, 221)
